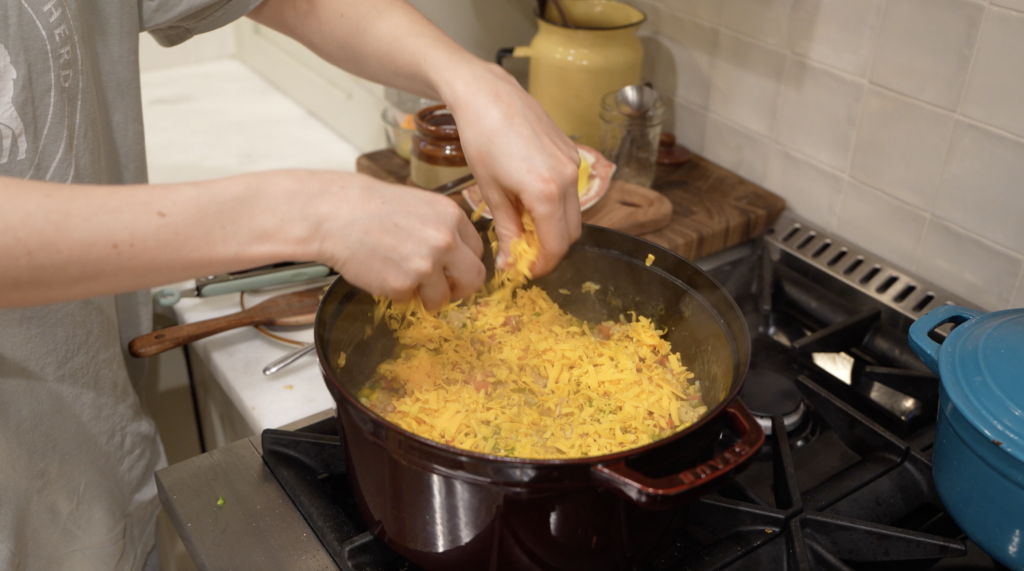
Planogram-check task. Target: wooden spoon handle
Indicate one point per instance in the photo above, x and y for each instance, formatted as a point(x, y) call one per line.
point(178, 335)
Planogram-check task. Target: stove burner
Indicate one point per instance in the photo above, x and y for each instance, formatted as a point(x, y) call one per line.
point(767, 393)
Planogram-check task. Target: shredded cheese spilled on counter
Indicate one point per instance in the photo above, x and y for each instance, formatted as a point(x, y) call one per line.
point(512, 374)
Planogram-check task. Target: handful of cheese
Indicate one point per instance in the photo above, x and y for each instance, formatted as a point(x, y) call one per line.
point(584, 177)
point(512, 374)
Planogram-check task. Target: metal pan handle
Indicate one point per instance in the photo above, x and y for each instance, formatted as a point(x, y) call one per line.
point(651, 491)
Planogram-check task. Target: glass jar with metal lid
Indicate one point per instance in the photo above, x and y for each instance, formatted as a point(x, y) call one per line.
point(631, 141)
point(436, 155)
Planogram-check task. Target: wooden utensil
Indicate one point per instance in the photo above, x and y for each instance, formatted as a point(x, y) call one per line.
point(298, 308)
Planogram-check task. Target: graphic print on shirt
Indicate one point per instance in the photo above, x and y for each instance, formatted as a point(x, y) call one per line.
point(40, 92)
point(11, 127)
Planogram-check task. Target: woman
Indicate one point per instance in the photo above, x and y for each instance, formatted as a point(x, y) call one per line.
point(78, 225)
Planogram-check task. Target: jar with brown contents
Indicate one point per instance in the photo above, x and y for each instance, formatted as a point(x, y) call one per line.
point(436, 156)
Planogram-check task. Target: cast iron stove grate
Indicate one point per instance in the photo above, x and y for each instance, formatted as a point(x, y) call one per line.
point(855, 497)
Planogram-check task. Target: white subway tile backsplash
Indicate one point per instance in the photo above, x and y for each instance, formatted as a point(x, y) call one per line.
point(690, 125)
point(810, 190)
point(1018, 297)
point(740, 151)
point(925, 47)
point(881, 224)
point(968, 265)
point(708, 10)
point(901, 146)
point(745, 82)
point(652, 10)
point(691, 46)
point(818, 111)
point(982, 188)
point(838, 33)
point(1017, 5)
point(896, 123)
point(659, 64)
point(764, 20)
point(995, 88)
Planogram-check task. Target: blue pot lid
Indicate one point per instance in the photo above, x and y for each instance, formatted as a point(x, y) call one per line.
point(981, 367)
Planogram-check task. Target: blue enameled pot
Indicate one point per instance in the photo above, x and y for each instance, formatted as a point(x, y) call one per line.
point(978, 459)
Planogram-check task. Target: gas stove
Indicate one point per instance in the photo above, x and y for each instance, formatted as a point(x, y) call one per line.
point(844, 478)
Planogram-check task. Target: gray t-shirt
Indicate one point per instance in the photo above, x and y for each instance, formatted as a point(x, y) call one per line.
point(77, 453)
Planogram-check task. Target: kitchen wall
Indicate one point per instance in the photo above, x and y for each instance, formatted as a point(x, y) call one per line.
point(898, 124)
point(352, 106)
point(219, 43)
point(483, 26)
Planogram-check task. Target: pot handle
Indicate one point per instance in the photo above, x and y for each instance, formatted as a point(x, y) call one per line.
point(923, 345)
point(644, 490)
point(520, 51)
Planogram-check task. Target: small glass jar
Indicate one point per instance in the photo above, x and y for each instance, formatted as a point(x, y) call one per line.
point(631, 142)
point(436, 153)
point(398, 128)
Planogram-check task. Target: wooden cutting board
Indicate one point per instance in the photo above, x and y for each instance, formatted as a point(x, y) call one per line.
point(630, 208)
point(627, 207)
point(712, 208)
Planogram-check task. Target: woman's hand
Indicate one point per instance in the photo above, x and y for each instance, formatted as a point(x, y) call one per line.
point(394, 240)
point(520, 158)
point(387, 239)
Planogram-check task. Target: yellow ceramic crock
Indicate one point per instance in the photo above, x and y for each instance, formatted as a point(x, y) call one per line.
point(571, 68)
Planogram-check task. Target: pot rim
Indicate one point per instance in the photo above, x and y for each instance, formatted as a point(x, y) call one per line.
point(743, 365)
point(541, 20)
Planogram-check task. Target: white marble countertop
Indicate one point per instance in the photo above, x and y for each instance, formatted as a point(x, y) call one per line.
point(218, 119)
point(236, 359)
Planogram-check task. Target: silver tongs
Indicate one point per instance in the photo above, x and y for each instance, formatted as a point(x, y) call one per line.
point(454, 186)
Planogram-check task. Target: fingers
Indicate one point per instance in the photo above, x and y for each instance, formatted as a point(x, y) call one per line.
point(435, 291)
point(465, 272)
point(469, 236)
point(552, 233)
point(508, 223)
point(461, 275)
point(556, 214)
point(454, 266)
point(573, 216)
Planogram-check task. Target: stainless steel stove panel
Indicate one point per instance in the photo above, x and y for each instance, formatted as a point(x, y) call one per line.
point(793, 241)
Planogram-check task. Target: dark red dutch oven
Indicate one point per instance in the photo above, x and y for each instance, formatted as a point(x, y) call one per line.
point(445, 508)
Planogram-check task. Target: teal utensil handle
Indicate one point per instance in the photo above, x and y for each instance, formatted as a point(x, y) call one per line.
point(266, 280)
point(922, 344)
point(167, 297)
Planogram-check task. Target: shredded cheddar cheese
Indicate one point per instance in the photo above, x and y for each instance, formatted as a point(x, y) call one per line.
point(478, 212)
point(649, 260)
point(512, 374)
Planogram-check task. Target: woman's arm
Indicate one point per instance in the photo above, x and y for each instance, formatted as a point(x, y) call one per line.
point(63, 242)
point(518, 155)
